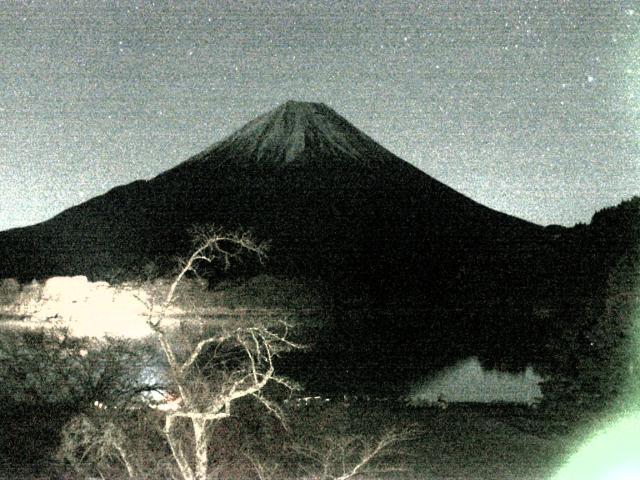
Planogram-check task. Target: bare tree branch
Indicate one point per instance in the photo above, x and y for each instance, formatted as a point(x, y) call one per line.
point(209, 244)
point(176, 449)
point(198, 350)
point(352, 457)
point(259, 345)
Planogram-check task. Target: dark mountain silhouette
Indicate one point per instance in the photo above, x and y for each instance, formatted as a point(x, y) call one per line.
point(415, 269)
point(301, 176)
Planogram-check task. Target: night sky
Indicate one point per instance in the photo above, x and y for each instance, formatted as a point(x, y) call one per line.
point(529, 107)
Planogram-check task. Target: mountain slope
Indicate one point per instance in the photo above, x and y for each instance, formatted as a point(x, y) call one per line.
point(301, 176)
point(337, 207)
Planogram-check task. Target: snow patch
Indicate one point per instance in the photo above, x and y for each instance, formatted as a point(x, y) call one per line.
point(294, 130)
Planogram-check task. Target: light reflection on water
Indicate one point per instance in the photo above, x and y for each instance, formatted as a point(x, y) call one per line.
point(468, 381)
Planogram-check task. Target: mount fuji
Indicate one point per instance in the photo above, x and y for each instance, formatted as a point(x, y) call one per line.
point(336, 207)
point(328, 197)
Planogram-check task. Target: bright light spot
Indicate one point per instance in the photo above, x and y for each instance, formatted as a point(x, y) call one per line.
point(624, 473)
point(92, 309)
point(590, 79)
point(613, 454)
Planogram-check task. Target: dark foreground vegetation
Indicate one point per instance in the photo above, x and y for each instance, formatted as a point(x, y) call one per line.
point(463, 442)
point(577, 331)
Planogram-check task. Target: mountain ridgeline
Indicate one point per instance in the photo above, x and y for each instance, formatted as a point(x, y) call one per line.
point(331, 200)
point(416, 275)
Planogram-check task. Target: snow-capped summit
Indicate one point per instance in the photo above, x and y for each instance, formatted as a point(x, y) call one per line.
point(297, 131)
point(369, 229)
point(332, 202)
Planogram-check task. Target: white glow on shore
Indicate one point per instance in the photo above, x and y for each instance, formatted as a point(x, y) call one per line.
point(91, 309)
point(467, 381)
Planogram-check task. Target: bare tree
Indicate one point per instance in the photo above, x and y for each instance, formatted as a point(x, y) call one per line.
point(353, 456)
point(252, 349)
point(210, 365)
point(104, 442)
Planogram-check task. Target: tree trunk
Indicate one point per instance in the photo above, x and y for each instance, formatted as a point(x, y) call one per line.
point(202, 446)
point(176, 450)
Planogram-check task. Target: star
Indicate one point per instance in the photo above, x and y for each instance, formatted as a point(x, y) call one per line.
point(439, 66)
